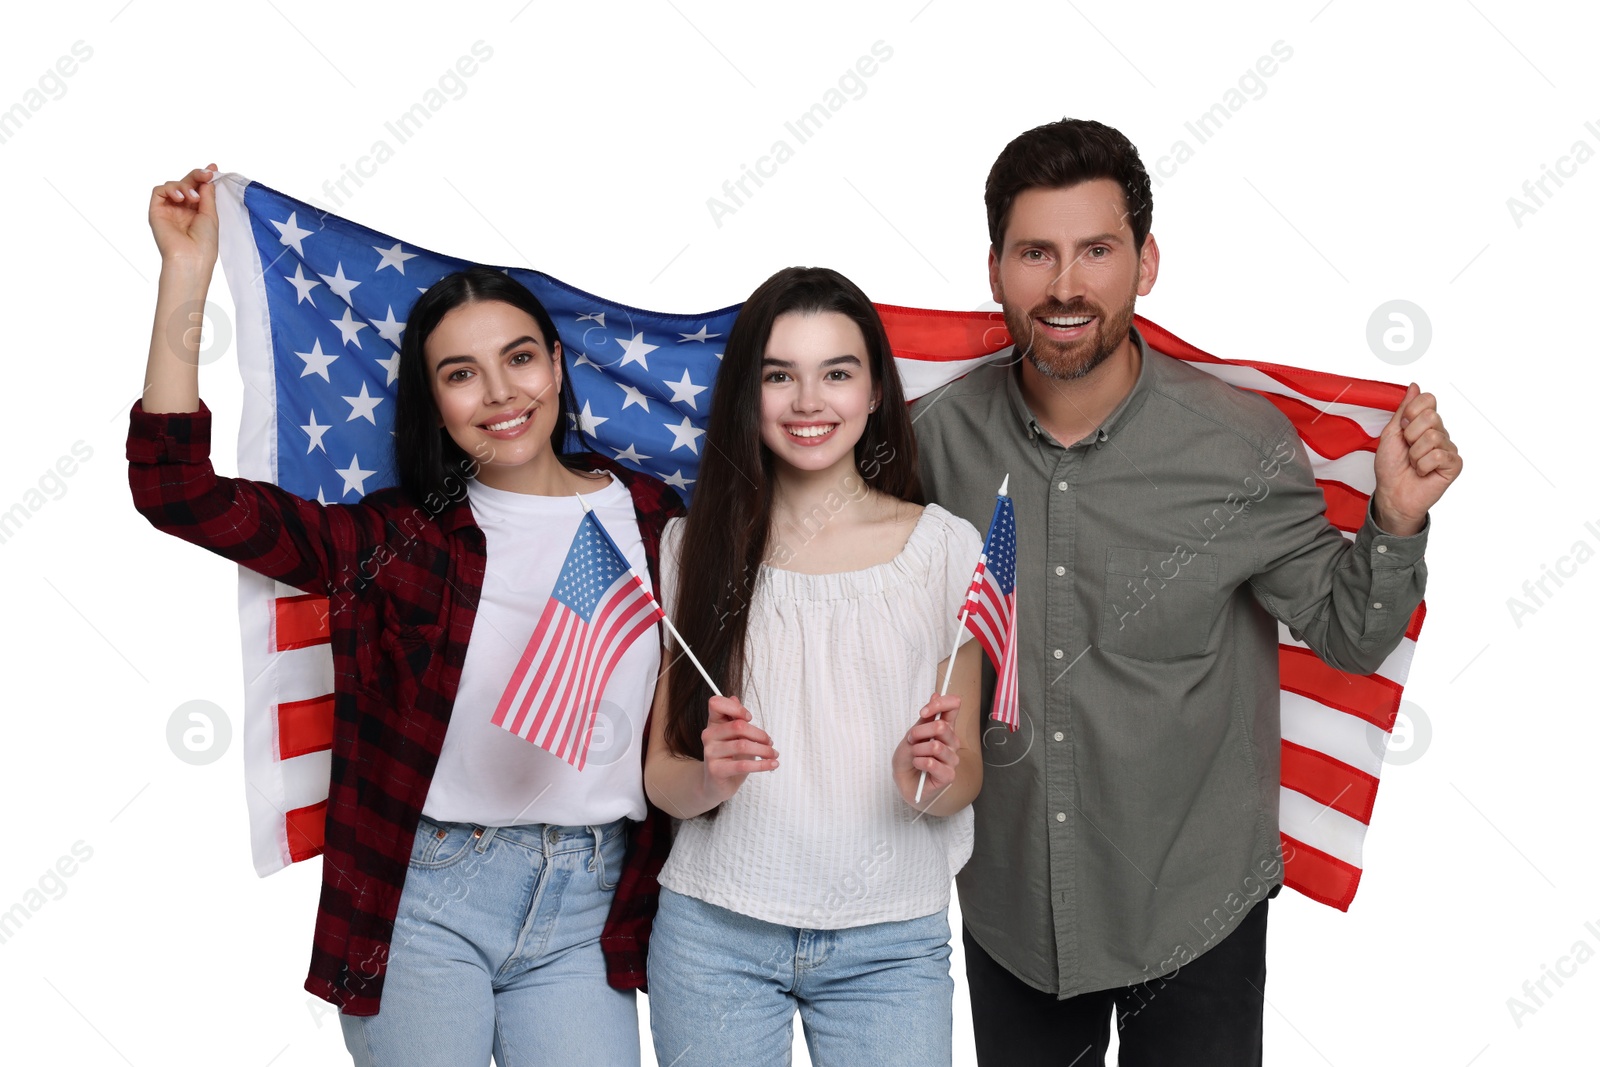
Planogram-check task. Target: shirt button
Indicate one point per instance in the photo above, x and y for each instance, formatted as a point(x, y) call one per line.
point(1060, 571)
point(1383, 548)
point(1377, 604)
point(1060, 736)
point(1061, 486)
point(1058, 653)
point(1061, 816)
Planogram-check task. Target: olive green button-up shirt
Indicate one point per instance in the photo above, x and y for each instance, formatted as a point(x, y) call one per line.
point(1133, 818)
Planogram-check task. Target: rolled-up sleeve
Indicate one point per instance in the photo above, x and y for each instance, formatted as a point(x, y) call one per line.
point(256, 524)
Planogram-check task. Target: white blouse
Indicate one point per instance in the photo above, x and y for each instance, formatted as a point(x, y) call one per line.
point(837, 667)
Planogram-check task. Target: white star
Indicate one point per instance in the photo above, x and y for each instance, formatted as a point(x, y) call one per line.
point(361, 407)
point(684, 391)
point(677, 480)
point(634, 397)
point(583, 360)
point(316, 361)
point(349, 328)
point(684, 435)
point(389, 329)
point(290, 233)
point(588, 422)
point(391, 367)
point(699, 335)
point(630, 454)
point(320, 498)
point(635, 350)
point(393, 257)
point(339, 284)
point(302, 286)
point(354, 477)
point(599, 316)
point(719, 357)
point(315, 432)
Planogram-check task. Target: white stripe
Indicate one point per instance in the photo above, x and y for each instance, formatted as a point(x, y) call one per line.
point(267, 796)
point(1348, 738)
point(304, 673)
point(918, 377)
point(1354, 469)
point(1372, 420)
point(1395, 668)
point(1320, 826)
point(305, 780)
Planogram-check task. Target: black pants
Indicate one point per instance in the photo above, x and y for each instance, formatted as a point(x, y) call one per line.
point(1206, 1014)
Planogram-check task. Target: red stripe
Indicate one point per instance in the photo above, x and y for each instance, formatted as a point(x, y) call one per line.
point(1318, 875)
point(558, 651)
point(300, 621)
point(1328, 781)
point(550, 670)
point(643, 622)
point(1366, 696)
point(305, 726)
point(621, 610)
point(1347, 508)
point(1417, 616)
point(1331, 435)
point(304, 828)
point(594, 646)
point(940, 336)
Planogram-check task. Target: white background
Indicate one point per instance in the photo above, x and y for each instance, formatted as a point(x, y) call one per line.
point(1376, 165)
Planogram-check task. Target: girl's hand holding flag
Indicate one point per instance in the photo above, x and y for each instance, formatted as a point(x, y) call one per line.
point(735, 747)
point(932, 750)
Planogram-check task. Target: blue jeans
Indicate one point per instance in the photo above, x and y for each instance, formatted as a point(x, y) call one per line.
point(497, 948)
point(724, 989)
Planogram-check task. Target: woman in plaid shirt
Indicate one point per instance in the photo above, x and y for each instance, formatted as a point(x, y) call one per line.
point(492, 897)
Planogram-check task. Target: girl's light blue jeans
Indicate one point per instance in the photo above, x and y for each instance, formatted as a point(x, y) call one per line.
point(724, 989)
point(497, 949)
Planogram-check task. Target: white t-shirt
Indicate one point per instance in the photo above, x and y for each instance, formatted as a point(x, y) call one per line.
point(838, 666)
point(489, 776)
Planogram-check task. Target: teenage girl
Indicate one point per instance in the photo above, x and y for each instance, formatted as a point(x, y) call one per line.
point(823, 598)
point(478, 894)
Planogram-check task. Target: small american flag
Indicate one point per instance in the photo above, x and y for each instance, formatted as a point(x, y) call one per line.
point(991, 607)
point(598, 607)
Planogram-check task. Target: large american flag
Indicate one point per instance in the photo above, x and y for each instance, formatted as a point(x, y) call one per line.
point(598, 607)
point(991, 607)
point(321, 304)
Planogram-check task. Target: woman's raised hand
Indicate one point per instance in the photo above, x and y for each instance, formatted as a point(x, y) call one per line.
point(932, 745)
point(183, 218)
point(733, 746)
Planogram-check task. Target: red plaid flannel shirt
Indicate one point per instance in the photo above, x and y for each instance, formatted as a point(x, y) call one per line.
point(403, 591)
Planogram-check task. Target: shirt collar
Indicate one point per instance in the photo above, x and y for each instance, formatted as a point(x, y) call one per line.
point(1113, 422)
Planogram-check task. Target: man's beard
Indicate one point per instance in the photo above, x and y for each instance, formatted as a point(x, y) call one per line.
point(1066, 362)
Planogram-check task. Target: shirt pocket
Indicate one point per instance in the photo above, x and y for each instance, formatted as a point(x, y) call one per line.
point(1159, 604)
point(392, 666)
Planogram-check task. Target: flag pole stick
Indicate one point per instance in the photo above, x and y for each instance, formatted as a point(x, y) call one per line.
point(673, 630)
point(950, 664)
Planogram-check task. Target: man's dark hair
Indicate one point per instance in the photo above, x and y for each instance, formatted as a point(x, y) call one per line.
point(1059, 154)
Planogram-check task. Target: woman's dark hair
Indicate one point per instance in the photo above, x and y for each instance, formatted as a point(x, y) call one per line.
point(1064, 153)
point(725, 534)
point(429, 465)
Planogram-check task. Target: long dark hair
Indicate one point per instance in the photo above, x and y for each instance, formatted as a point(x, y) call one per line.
point(725, 534)
point(429, 465)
